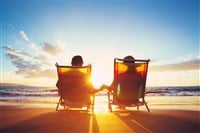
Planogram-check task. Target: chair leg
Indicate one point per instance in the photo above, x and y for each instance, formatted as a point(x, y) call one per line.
point(92, 102)
point(109, 102)
point(110, 107)
point(58, 104)
point(147, 107)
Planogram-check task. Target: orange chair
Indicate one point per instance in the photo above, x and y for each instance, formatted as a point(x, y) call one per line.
point(129, 84)
point(74, 87)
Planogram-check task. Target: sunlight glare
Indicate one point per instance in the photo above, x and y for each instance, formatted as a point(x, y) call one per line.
point(101, 77)
point(101, 104)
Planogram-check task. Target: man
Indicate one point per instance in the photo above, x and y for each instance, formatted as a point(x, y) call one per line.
point(75, 85)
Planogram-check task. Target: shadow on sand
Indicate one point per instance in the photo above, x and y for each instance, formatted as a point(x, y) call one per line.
point(59, 121)
point(157, 121)
point(141, 121)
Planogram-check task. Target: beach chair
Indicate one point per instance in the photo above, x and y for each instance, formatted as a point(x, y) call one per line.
point(74, 87)
point(129, 84)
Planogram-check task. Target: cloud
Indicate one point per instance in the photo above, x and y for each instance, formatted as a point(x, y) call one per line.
point(49, 73)
point(9, 49)
point(42, 59)
point(35, 71)
point(32, 45)
point(51, 49)
point(183, 66)
point(11, 26)
point(35, 63)
point(24, 36)
point(28, 65)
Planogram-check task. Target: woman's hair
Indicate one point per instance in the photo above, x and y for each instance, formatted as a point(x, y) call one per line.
point(77, 61)
point(129, 59)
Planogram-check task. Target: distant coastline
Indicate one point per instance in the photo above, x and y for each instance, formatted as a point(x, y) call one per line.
point(22, 85)
point(12, 84)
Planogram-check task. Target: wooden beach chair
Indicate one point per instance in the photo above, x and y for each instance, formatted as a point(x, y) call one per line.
point(129, 84)
point(74, 87)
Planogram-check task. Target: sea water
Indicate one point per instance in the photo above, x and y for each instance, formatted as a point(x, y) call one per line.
point(179, 96)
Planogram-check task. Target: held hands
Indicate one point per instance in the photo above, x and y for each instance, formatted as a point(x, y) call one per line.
point(104, 87)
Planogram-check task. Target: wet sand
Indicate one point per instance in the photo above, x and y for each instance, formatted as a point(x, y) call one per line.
point(19, 118)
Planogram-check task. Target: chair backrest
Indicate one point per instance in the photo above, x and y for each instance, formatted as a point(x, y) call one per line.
point(74, 82)
point(130, 79)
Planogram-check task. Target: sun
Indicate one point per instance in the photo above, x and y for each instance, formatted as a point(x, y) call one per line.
point(98, 78)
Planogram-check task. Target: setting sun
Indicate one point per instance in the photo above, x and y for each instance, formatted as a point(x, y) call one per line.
point(101, 77)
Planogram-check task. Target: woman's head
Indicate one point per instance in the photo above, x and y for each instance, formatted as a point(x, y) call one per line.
point(129, 59)
point(77, 61)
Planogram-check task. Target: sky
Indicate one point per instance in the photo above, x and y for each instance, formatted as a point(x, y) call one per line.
point(34, 35)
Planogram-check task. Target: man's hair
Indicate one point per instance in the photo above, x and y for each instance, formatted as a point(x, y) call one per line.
point(77, 61)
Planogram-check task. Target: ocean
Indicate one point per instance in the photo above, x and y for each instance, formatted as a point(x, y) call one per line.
point(50, 94)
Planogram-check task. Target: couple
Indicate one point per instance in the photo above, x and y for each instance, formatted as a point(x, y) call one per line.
point(78, 61)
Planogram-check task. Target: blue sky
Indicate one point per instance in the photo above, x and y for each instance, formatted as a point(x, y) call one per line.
point(37, 34)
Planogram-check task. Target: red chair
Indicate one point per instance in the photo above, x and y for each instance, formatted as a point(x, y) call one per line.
point(74, 87)
point(129, 84)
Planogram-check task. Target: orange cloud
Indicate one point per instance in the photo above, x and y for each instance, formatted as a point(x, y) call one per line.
point(183, 66)
point(51, 49)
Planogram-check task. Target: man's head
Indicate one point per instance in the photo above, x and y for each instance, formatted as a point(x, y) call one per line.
point(77, 61)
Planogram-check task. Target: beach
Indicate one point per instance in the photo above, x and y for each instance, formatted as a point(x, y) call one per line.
point(163, 118)
point(67, 50)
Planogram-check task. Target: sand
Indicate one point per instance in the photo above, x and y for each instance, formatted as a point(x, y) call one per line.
point(23, 119)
